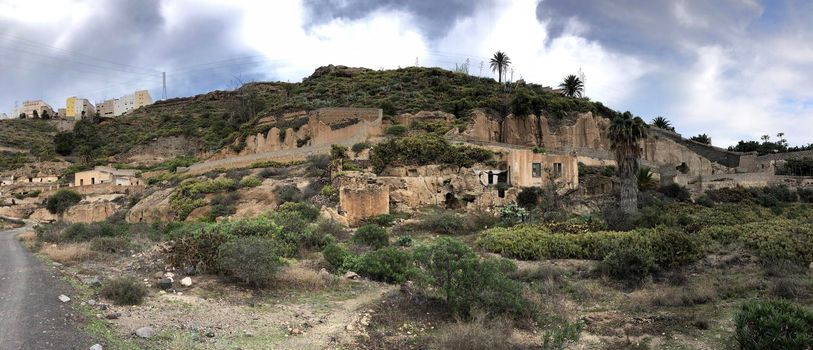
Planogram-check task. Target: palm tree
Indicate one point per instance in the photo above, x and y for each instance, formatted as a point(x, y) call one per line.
point(662, 123)
point(625, 134)
point(572, 86)
point(702, 138)
point(500, 63)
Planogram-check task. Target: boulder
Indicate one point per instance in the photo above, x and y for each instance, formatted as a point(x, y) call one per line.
point(90, 212)
point(165, 283)
point(64, 298)
point(186, 281)
point(145, 332)
point(153, 208)
point(96, 347)
point(351, 275)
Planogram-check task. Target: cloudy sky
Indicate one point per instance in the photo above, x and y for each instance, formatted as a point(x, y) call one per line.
point(731, 68)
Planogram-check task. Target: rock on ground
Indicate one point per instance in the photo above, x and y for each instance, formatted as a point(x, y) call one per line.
point(145, 332)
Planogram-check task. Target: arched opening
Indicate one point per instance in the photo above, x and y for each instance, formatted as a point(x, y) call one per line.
point(92, 180)
point(683, 168)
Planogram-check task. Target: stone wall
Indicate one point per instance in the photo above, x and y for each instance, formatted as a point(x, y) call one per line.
point(521, 174)
point(361, 198)
point(699, 184)
point(587, 139)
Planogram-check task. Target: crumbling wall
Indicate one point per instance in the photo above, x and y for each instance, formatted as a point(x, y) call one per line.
point(361, 198)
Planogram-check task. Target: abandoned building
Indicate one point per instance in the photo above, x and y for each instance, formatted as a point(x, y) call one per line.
point(106, 175)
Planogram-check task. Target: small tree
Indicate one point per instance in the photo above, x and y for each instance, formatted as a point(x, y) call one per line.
point(702, 138)
point(626, 133)
point(499, 64)
point(572, 86)
point(663, 123)
point(61, 201)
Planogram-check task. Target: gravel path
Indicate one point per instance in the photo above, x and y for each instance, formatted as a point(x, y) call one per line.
point(31, 315)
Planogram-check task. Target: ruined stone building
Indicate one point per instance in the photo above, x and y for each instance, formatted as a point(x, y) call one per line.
point(106, 175)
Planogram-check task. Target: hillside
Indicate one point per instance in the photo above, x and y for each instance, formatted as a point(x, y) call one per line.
point(215, 120)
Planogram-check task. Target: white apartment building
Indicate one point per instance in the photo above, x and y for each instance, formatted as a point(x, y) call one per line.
point(131, 102)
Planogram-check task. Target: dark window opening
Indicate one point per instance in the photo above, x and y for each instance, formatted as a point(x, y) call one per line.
point(683, 168)
point(536, 170)
point(451, 201)
point(557, 169)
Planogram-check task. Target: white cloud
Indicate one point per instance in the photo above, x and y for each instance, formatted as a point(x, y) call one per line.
point(512, 27)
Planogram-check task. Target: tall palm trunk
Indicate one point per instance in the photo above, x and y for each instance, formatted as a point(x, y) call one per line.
point(628, 172)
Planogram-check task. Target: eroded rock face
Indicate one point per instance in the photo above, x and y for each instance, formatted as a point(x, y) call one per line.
point(42, 215)
point(153, 208)
point(90, 212)
point(17, 211)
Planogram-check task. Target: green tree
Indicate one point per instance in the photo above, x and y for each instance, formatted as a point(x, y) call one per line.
point(626, 133)
point(500, 63)
point(572, 86)
point(702, 138)
point(663, 123)
point(64, 143)
point(61, 201)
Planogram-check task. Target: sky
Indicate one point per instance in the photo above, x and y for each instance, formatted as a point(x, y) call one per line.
point(733, 69)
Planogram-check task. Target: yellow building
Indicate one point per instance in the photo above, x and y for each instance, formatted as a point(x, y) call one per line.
point(106, 175)
point(74, 107)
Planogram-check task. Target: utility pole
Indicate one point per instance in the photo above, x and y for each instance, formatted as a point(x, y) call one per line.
point(416, 62)
point(584, 85)
point(164, 79)
point(481, 69)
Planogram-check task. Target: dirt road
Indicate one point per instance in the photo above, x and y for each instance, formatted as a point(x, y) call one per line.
point(31, 315)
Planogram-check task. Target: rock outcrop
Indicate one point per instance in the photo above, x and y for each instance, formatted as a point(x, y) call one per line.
point(153, 208)
point(90, 212)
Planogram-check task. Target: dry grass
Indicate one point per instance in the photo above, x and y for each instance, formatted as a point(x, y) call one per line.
point(474, 335)
point(28, 239)
point(68, 254)
point(668, 296)
point(298, 277)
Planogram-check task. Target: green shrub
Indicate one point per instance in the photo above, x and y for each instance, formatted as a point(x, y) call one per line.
point(630, 262)
point(396, 130)
point(443, 222)
point(383, 220)
point(773, 324)
point(328, 191)
point(112, 245)
point(373, 236)
point(338, 152)
point(251, 260)
point(805, 195)
point(288, 193)
point(318, 165)
point(335, 255)
point(124, 291)
point(389, 265)
point(308, 211)
point(452, 270)
point(676, 192)
point(423, 150)
point(674, 248)
point(360, 147)
point(60, 201)
point(251, 181)
point(404, 241)
point(729, 194)
point(331, 227)
point(528, 197)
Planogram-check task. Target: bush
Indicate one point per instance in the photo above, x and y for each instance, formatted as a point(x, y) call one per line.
point(318, 165)
point(251, 181)
point(805, 195)
point(308, 211)
point(288, 193)
point(335, 256)
point(423, 150)
point(251, 260)
point(528, 197)
point(386, 265)
point(60, 201)
point(773, 324)
point(451, 269)
point(360, 147)
point(404, 241)
point(331, 227)
point(373, 236)
point(124, 291)
point(629, 262)
point(383, 220)
point(396, 130)
point(675, 192)
point(729, 194)
point(328, 191)
point(674, 248)
point(772, 196)
point(443, 222)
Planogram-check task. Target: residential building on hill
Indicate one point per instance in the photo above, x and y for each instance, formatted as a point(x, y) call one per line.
point(40, 107)
point(124, 104)
point(77, 107)
point(106, 175)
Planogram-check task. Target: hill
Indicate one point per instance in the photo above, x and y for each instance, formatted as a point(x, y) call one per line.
point(216, 120)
